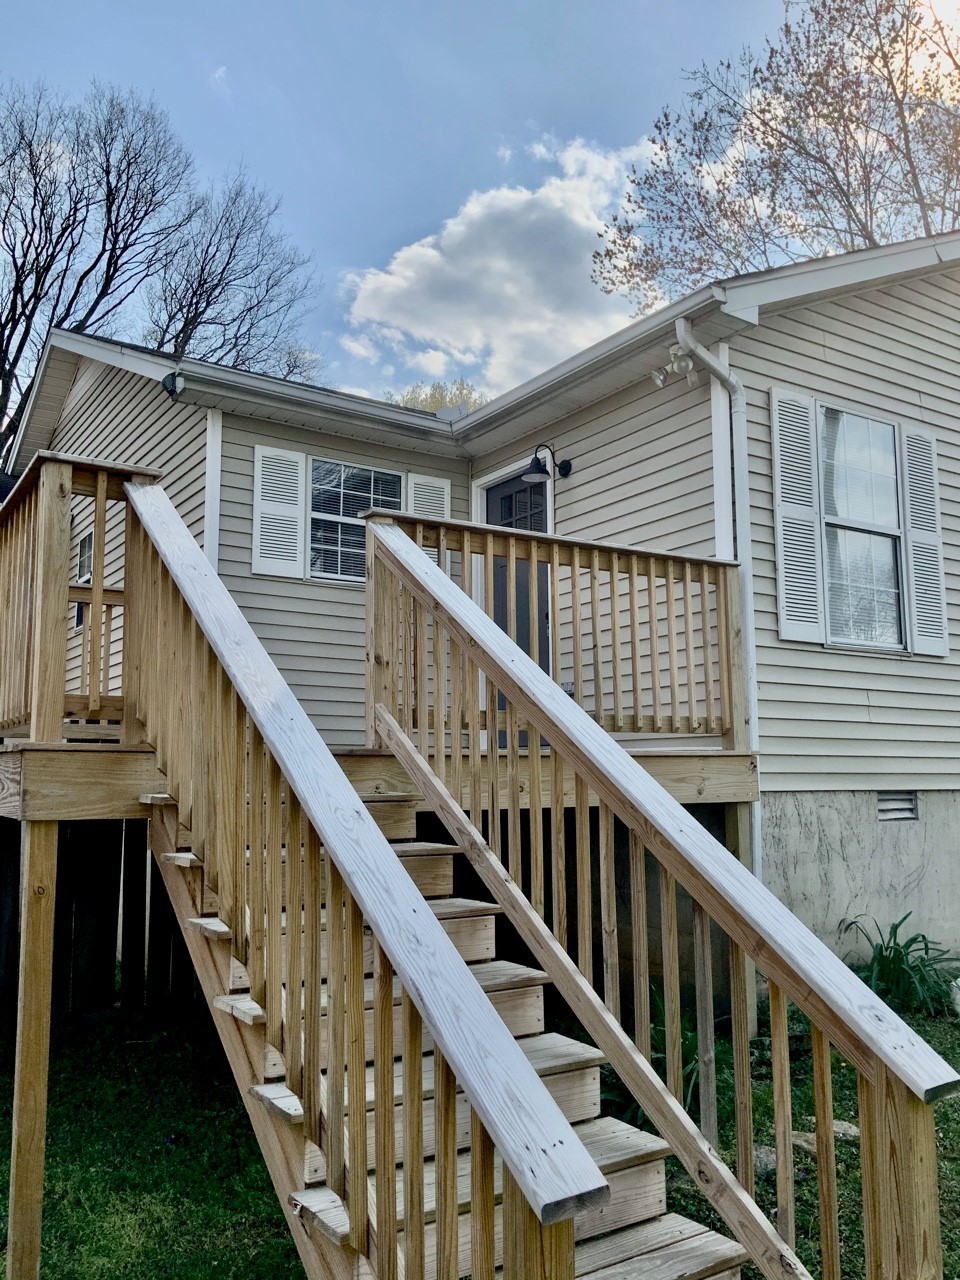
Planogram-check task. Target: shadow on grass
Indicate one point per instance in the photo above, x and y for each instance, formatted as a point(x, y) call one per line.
point(152, 1168)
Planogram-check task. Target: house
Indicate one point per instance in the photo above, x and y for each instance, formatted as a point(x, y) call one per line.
point(820, 398)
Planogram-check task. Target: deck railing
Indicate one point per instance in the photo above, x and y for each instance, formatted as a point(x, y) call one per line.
point(61, 640)
point(305, 884)
point(644, 641)
point(596, 819)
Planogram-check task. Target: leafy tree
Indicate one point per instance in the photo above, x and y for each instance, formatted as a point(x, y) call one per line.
point(439, 395)
point(102, 230)
point(843, 133)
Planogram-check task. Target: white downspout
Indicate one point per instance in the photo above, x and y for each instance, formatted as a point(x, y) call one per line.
point(743, 548)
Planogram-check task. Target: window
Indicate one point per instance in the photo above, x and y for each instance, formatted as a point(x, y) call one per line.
point(338, 493)
point(84, 572)
point(859, 555)
point(306, 520)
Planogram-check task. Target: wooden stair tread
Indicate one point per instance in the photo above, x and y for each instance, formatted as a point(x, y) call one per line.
point(492, 975)
point(685, 1255)
point(442, 908)
point(323, 1208)
point(613, 1145)
point(422, 849)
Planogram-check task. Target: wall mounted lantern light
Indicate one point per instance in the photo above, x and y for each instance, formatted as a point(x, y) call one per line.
point(538, 469)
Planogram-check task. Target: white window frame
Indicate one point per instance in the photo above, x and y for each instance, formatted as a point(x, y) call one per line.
point(349, 520)
point(800, 528)
point(83, 579)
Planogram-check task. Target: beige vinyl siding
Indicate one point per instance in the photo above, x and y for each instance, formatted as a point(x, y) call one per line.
point(123, 417)
point(641, 468)
point(840, 718)
point(313, 630)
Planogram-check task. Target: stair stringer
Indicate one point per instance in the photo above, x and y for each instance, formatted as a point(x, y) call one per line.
point(281, 1145)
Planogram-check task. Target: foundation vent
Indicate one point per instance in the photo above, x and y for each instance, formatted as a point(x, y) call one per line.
point(897, 806)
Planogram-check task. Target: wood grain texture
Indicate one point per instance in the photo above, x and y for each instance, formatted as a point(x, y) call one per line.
point(710, 1174)
point(525, 1124)
point(96, 782)
point(861, 1025)
point(826, 1157)
point(51, 586)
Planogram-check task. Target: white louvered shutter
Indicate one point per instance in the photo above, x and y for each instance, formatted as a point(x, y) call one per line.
point(924, 545)
point(796, 486)
point(279, 512)
point(428, 496)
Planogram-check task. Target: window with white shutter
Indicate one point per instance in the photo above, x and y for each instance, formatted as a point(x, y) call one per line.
point(429, 496)
point(279, 514)
point(858, 540)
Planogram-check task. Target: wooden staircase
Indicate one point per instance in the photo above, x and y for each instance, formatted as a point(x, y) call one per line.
point(633, 1234)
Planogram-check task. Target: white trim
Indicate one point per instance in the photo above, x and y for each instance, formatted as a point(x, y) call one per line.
point(213, 463)
point(722, 461)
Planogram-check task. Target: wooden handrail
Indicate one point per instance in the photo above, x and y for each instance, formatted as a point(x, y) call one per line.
point(546, 1158)
point(865, 1030)
point(84, 477)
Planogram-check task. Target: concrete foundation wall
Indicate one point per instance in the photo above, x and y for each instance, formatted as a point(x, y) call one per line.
point(826, 855)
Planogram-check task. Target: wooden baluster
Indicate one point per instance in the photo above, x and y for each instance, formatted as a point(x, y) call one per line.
point(445, 1124)
point(385, 1143)
point(576, 605)
point(584, 880)
point(94, 683)
point(641, 945)
point(256, 958)
point(456, 721)
point(608, 913)
point(225, 811)
point(406, 657)
point(707, 634)
point(723, 650)
point(596, 631)
point(743, 1091)
point(356, 1077)
point(492, 702)
point(472, 693)
point(206, 705)
point(413, 1199)
point(706, 1048)
point(294, 975)
point(421, 683)
point(633, 589)
point(670, 588)
point(826, 1156)
point(513, 728)
point(333, 1130)
point(558, 849)
point(274, 906)
point(107, 649)
point(535, 804)
point(313, 975)
point(670, 943)
point(654, 626)
point(482, 1219)
point(782, 1113)
point(690, 655)
point(618, 722)
point(85, 649)
point(439, 700)
point(241, 890)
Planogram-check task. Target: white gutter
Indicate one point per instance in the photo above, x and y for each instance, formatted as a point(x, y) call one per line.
point(743, 547)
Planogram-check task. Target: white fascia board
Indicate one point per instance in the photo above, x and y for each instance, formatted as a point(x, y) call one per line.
point(844, 271)
point(22, 429)
point(148, 364)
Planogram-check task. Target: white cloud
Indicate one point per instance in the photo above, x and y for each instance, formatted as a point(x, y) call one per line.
point(503, 289)
point(505, 153)
point(431, 362)
point(360, 346)
point(219, 82)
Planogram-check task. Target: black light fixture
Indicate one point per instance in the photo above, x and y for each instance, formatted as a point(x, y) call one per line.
point(538, 469)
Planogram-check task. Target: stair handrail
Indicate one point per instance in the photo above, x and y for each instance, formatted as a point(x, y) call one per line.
point(901, 1073)
point(549, 1163)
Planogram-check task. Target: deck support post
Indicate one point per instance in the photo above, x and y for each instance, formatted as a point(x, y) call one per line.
point(48, 671)
point(38, 879)
point(532, 1251)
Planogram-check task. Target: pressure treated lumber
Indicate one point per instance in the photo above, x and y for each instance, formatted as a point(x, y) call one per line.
point(38, 881)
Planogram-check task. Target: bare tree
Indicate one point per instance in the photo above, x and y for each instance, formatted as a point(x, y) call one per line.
point(439, 395)
point(843, 134)
point(91, 196)
point(233, 288)
point(102, 230)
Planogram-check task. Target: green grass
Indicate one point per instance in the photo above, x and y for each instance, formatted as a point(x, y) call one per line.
point(943, 1033)
point(152, 1168)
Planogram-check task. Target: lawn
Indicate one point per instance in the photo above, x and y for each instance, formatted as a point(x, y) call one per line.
point(152, 1169)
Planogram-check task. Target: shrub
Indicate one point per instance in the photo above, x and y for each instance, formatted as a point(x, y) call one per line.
point(912, 974)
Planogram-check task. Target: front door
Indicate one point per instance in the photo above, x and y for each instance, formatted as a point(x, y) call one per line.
point(517, 504)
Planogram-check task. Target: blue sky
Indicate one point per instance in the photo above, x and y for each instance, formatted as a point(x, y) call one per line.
point(447, 165)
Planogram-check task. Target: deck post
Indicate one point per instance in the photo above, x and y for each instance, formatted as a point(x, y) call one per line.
point(380, 642)
point(532, 1251)
point(38, 862)
point(51, 592)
